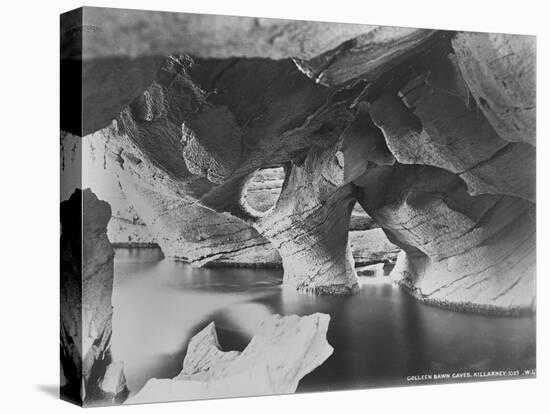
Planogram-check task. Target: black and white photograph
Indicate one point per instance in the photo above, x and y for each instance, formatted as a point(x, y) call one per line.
point(257, 205)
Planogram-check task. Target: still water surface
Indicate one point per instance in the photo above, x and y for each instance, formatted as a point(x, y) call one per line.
point(380, 336)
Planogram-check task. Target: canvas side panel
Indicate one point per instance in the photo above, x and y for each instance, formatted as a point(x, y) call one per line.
point(71, 207)
point(71, 71)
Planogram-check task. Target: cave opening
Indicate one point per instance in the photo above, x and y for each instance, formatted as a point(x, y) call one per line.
point(374, 254)
point(261, 191)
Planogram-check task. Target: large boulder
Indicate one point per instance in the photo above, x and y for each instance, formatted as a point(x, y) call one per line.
point(280, 354)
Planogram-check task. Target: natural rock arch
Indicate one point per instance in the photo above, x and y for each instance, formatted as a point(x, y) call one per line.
point(261, 191)
point(414, 117)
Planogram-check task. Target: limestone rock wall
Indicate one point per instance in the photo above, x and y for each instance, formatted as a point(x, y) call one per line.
point(199, 235)
point(309, 226)
point(459, 251)
point(191, 201)
point(100, 173)
point(368, 243)
point(432, 131)
point(460, 199)
point(178, 230)
point(431, 121)
point(88, 163)
point(183, 229)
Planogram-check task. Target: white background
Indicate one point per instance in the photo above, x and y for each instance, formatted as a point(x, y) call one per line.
point(29, 223)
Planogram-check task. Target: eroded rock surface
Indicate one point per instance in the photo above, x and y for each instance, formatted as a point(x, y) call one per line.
point(309, 226)
point(262, 190)
point(500, 71)
point(432, 131)
point(432, 122)
point(88, 162)
point(280, 354)
point(183, 228)
point(459, 251)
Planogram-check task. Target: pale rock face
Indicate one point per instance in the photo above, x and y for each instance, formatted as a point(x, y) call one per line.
point(86, 161)
point(178, 230)
point(199, 235)
point(191, 202)
point(280, 354)
point(114, 381)
point(183, 228)
point(468, 238)
point(100, 173)
point(459, 251)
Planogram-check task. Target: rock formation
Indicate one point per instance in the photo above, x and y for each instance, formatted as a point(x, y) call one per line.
point(70, 298)
point(86, 288)
point(459, 251)
point(280, 354)
point(195, 207)
point(103, 174)
point(310, 207)
point(87, 162)
point(262, 190)
point(433, 132)
point(468, 237)
point(499, 71)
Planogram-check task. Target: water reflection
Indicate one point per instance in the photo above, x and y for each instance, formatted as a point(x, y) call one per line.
point(380, 335)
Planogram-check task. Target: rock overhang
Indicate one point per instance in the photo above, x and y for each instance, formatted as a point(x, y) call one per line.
point(350, 108)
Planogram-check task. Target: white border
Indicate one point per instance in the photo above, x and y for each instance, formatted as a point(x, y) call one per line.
point(30, 191)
